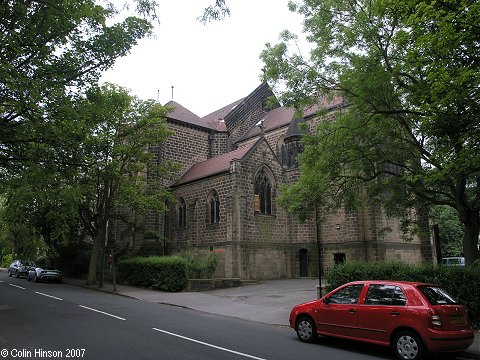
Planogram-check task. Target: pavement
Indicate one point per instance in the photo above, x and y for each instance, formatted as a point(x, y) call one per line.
point(268, 301)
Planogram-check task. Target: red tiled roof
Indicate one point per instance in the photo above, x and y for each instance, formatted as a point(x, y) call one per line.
point(275, 118)
point(215, 120)
point(182, 114)
point(214, 165)
point(324, 103)
point(282, 116)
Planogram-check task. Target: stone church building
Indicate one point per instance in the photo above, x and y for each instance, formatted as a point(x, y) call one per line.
point(234, 161)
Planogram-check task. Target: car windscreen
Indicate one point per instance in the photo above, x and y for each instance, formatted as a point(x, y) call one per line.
point(436, 295)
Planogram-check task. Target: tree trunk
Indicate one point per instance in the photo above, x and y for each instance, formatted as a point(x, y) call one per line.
point(92, 268)
point(470, 241)
point(98, 249)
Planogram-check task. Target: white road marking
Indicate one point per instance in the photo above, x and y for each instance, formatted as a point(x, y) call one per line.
point(18, 286)
point(50, 296)
point(210, 345)
point(102, 312)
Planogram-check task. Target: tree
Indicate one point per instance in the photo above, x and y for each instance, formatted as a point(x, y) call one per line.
point(17, 237)
point(39, 212)
point(120, 129)
point(450, 230)
point(48, 50)
point(215, 12)
point(409, 72)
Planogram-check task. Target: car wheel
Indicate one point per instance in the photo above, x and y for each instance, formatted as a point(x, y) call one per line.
point(16, 274)
point(408, 346)
point(36, 279)
point(9, 273)
point(306, 329)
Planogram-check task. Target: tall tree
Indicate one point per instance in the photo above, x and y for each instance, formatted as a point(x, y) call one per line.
point(39, 200)
point(115, 159)
point(450, 230)
point(50, 49)
point(409, 71)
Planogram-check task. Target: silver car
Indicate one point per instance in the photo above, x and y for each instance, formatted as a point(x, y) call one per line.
point(21, 268)
point(43, 274)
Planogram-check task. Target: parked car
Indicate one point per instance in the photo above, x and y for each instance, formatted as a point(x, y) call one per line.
point(453, 261)
point(20, 268)
point(413, 318)
point(44, 274)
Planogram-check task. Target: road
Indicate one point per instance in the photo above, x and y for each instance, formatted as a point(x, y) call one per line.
point(60, 321)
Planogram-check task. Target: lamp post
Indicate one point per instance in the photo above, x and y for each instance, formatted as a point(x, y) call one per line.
point(319, 253)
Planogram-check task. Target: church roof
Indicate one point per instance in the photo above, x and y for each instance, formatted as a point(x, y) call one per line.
point(213, 166)
point(283, 116)
point(213, 121)
point(327, 103)
point(181, 113)
point(272, 120)
point(216, 119)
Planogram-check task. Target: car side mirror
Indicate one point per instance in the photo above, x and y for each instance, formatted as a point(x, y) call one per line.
point(326, 300)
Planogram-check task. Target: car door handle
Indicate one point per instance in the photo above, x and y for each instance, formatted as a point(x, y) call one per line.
point(352, 311)
point(395, 313)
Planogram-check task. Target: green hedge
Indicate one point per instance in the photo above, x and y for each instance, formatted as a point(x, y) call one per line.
point(168, 273)
point(201, 263)
point(462, 283)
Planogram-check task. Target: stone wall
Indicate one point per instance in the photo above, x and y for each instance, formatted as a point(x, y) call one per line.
point(187, 146)
point(248, 113)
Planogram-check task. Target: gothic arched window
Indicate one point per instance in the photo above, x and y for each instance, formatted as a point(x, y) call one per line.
point(213, 208)
point(182, 214)
point(263, 193)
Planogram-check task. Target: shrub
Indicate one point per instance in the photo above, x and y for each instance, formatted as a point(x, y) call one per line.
point(166, 273)
point(462, 283)
point(7, 260)
point(201, 264)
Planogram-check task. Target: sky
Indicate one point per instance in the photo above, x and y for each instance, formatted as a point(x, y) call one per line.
point(209, 66)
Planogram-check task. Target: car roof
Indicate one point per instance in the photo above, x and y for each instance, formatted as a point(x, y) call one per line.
point(391, 282)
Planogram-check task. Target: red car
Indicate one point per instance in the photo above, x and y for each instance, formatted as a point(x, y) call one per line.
point(413, 318)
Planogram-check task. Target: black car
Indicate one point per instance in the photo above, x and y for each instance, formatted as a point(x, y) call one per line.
point(21, 268)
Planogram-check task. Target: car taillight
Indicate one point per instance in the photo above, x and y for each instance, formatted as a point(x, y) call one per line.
point(434, 320)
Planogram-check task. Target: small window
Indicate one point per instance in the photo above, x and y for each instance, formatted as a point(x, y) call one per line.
point(213, 208)
point(347, 295)
point(385, 295)
point(182, 214)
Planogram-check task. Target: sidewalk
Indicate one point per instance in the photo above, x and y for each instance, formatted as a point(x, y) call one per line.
point(269, 301)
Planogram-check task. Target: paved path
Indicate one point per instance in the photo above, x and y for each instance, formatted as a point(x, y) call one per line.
point(268, 302)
